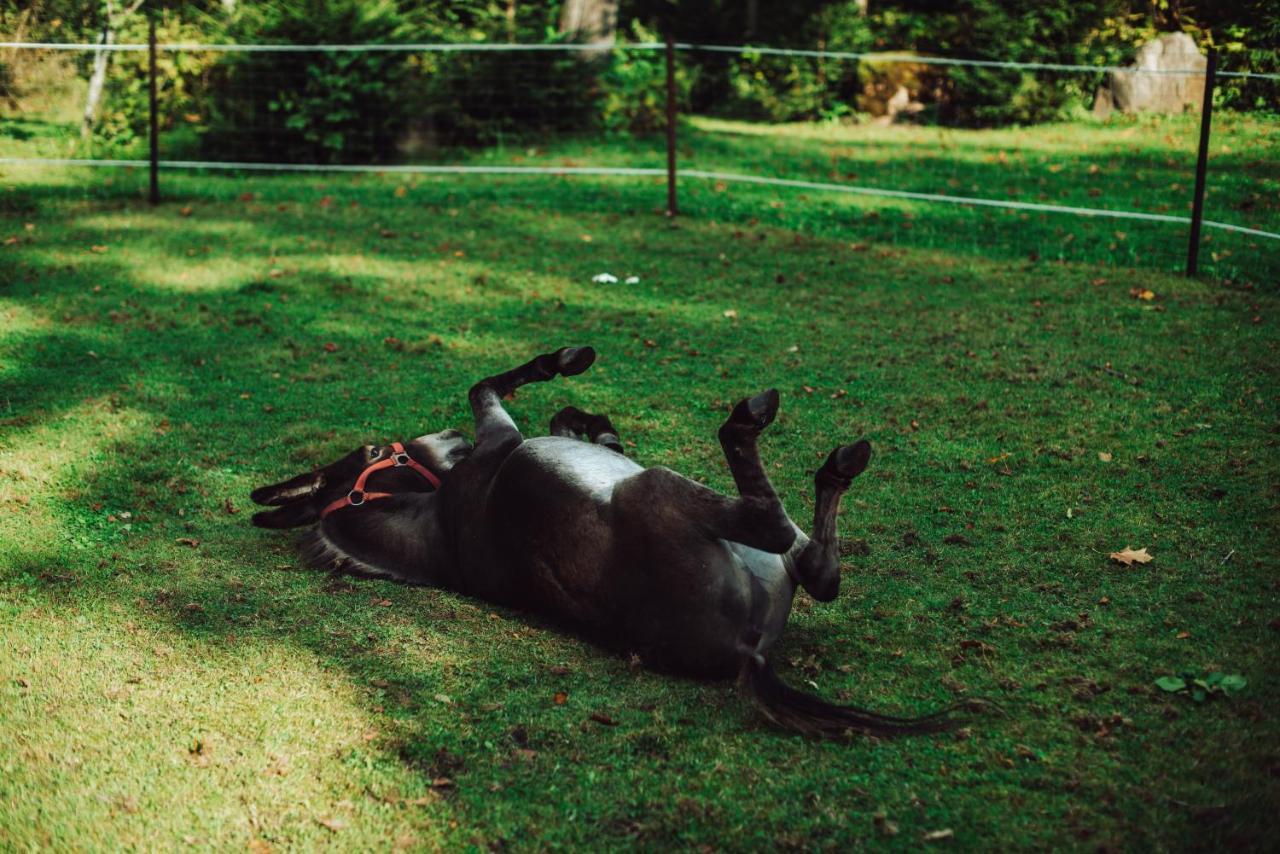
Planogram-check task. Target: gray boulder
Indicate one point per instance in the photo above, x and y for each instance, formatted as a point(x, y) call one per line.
point(1141, 91)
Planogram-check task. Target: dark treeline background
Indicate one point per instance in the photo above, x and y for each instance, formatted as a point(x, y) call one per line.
point(336, 107)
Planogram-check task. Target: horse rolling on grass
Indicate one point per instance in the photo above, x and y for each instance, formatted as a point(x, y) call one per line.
point(641, 559)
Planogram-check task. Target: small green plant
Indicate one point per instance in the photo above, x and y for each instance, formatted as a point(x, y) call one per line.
point(1201, 688)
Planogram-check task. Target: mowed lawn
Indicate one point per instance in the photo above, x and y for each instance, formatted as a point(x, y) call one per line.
point(170, 675)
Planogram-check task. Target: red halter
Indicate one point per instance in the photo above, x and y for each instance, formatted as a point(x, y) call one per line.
point(357, 496)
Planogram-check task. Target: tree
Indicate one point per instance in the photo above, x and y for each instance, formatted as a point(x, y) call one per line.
point(592, 22)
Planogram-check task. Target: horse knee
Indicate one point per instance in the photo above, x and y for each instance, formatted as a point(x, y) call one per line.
point(773, 531)
point(817, 569)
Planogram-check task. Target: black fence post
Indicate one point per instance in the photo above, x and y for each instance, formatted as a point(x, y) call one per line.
point(1202, 162)
point(155, 124)
point(671, 127)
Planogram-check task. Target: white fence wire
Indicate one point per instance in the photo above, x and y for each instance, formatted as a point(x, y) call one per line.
point(931, 196)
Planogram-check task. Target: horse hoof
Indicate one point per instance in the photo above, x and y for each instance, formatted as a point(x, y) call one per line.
point(572, 361)
point(849, 461)
point(756, 412)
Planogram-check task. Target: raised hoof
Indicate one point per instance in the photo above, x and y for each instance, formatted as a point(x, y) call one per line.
point(756, 412)
point(571, 361)
point(847, 461)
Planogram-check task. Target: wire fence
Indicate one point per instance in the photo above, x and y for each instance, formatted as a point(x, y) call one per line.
point(872, 148)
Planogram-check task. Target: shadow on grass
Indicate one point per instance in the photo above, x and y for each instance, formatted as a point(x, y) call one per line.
point(249, 394)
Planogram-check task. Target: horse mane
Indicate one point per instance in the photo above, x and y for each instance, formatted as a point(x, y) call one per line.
point(322, 553)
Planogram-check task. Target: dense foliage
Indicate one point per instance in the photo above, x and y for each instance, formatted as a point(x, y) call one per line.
point(334, 107)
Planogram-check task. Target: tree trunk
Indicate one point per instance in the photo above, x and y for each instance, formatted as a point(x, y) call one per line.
point(592, 22)
point(98, 79)
point(101, 58)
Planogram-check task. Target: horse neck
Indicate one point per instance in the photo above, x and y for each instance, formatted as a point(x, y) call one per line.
point(398, 537)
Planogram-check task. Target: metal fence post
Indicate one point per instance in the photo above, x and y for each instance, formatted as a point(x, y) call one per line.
point(671, 127)
point(1202, 161)
point(155, 124)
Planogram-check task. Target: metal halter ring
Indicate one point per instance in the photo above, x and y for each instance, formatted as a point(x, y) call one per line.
point(401, 459)
point(351, 496)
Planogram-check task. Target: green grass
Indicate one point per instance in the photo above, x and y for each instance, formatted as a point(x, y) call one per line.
point(1143, 164)
point(170, 675)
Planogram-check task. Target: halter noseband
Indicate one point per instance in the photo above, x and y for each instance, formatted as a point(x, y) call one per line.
point(398, 459)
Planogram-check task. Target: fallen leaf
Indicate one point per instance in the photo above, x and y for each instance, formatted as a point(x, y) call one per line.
point(1129, 556)
point(731, 313)
point(335, 824)
point(560, 698)
point(441, 783)
point(882, 823)
point(187, 541)
point(938, 835)
point(1142, 294)
point(1104, 456)
point(98, 249)
point(602, 718)
point(330, 347)
point(185, 211)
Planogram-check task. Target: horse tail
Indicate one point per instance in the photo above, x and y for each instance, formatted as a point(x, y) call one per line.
point(805, 713)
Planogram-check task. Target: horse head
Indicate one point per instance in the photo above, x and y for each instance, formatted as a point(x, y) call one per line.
point(368, 472)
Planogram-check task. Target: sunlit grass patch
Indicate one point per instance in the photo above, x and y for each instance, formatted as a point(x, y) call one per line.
point(170, 675)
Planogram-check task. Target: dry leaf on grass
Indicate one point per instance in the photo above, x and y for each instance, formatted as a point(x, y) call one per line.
point(1129, 556)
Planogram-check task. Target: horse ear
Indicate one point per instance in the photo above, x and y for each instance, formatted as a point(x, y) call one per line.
point(289, 516)
point(302, 486)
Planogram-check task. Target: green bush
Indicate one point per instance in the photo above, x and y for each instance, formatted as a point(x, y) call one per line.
point(313, 106)
point(802, 88)
point(487, 97)
point(635, 88)
point(181, 80)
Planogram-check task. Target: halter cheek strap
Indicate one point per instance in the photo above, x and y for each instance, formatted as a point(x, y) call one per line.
point(399, 458)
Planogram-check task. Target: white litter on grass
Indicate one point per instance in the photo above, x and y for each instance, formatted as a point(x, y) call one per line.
point(605, 279)
point(633, 280)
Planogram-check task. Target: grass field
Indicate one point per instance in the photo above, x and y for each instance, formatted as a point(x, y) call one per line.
point(1143, 164)
point(171, 676)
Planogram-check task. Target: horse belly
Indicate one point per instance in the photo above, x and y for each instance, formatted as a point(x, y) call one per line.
point(550, 512)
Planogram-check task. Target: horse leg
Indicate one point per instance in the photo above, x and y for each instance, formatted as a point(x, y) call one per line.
point(758, 505)
point(816, 563)
point(575, 423)
point(494, 426)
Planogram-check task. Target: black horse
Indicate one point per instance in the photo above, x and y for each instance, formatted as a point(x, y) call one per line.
point(643, 559)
